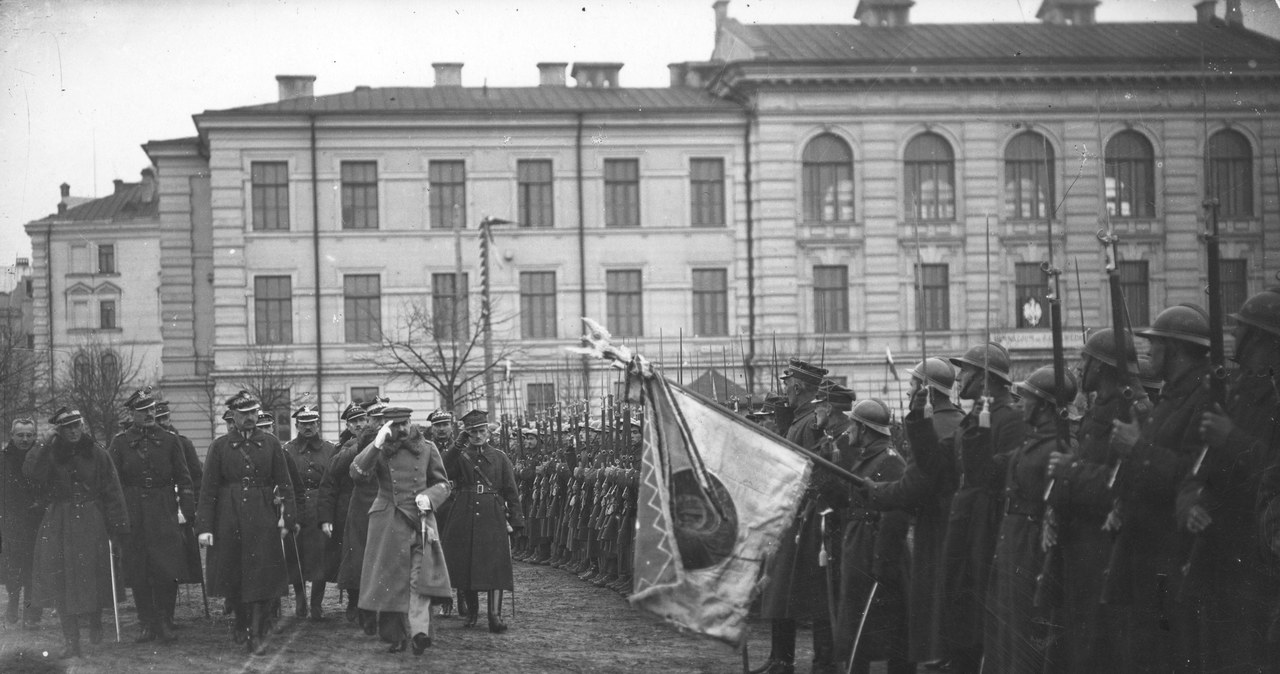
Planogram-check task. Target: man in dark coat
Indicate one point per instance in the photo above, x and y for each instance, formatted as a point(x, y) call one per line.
point(190, 548)
point(320, 556)
point(976, 454)
point(246, 509)
point(405, 568)
point(1017, 631)
point(797, 587)
point(71, 564)
point(150, 463)
point(926, 498)
point(1233, 576)
point(21, 510)
point(1092, 633)
point(336, 489)
point(486, 509)
point(1145, 569)
point(442, 435)
point(873, 553)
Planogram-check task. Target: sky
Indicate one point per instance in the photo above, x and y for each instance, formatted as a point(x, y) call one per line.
point(84, 83)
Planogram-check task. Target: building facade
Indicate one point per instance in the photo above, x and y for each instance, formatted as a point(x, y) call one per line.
point(836, 192)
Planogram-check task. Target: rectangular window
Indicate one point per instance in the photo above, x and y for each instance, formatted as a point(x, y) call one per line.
point(706, 185)
point(450, 319)
point(930, 190)
point(1028, 189)
point(538, 304)
point(539, 397)
point(935, 300)
point(1030, 288)
point(448, 188)
point(831, 298)
point(107, 315)
point(269, 190)
point(277, 402)
point(359, 195)
point(1130, 187)
point(624, 308)
point(273, 310)
point(80, 259)
point(621, 193)
point(1137, 291)
point(1235, 286)
point(106, 259)
point(362, 307)
point(533, 181)
point(363, 394)
point(80, 314)
point(710, 302)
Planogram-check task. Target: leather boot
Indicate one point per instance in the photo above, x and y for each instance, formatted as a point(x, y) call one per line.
point(300, 601)
point(71, 635)
point(14, 612)
point(496, 625)
point(353, 606)
point(472, 600)
point(317, 600)
point(94, 621)
point(258, 629)
point(164, 597)
point(144, 600)
point(824, 661)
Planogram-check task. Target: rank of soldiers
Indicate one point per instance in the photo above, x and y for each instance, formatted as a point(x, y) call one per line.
point(1117, 517)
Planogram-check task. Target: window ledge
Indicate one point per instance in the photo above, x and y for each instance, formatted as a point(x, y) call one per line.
point(90, 274)
point(82, 331)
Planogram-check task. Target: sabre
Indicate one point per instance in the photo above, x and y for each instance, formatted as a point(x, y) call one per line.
point(115, 599)
point(862, 623)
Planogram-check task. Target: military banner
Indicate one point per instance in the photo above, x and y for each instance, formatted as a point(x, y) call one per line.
point(715, 496)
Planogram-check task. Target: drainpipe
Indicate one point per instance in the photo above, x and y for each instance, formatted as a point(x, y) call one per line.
point(582, 257)
point(48, 279)
point(315, 249)
point(750, 356)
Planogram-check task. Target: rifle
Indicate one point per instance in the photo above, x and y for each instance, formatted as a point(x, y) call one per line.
point(924, 358)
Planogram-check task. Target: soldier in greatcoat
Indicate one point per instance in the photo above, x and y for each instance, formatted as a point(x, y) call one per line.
point(1092, 633)
point(404, 566)
point(975, 453)
point(486, 510)
point(71, 564)
point(1236, 577)
point(150, 463)
point(441, 428)
point(1145, 571)
point(797, 587)
point(336, 492)
point(246, 509)
point(21, 510)
point(873, 553)
point(318, 554)
point(190, 547)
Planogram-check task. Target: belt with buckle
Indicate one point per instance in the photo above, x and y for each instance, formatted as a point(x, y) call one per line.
point(149, 483)
point(252, 482)
point(476, 489)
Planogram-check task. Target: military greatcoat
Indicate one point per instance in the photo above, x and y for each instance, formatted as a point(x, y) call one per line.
point(485, 501)
point(321, 554)
point(151, 464)
point(22, 506)
point(345, 503)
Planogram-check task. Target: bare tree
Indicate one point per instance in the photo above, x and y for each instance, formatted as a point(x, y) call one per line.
point(442, 352)
point(23, 375)
point(96, 380)
point(268, 377)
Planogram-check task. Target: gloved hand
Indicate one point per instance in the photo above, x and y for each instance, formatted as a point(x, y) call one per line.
point(327, 528)
point(206, 540)
point(424, 502)
point(383, 435)
point(182, 519)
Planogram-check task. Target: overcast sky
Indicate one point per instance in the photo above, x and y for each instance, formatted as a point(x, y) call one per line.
point(86, 82)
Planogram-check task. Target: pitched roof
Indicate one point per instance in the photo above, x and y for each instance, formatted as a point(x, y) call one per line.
point(1027, 44)
point(131, 201)
point(549, 99)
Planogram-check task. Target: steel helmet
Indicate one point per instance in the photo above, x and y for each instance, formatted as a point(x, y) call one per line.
point(937, 374)
point(1041, 385)
point(1184, 322)
point(1101, 346)
point(1262, 311)
point(991, 357)
point(873, 414)
point(1148, 376)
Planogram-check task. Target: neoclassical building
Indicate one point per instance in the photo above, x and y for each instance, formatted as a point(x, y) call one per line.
point(828, 191)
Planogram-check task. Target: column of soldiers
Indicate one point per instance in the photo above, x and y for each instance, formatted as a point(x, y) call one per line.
point(578, 482)
point(1140, 535)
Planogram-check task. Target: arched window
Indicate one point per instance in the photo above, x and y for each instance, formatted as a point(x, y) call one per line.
point(81, 370)
point(828, 180)
point(1131, 183)
point(930, 178)
point(1028, 177)
point(109, 368)
point(1231, 174)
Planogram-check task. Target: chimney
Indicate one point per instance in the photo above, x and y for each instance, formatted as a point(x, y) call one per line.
point(296, 86)
point(721, 8)
point(676, 70)
point(119, 185)
point(883, 12)
point(1206, 12)
point(597, 75)
point(1235, 17)
point(551, 73)
point(66, 190)
point(448, 74)
point(1068, 12)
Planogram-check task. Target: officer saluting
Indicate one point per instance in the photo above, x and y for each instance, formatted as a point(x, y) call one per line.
point(150, 463)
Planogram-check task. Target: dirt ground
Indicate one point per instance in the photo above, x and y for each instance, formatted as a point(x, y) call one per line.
point(561, 625)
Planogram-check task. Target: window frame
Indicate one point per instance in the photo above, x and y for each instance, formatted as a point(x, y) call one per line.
point(1018, 163)
point(1137, 303)
point(363, 216)
point(621, 192)
point(108, 314)
point(818, 174)
point(535, 193)
point(710, 301)
point(107, 259)
point(272, 312)
point(538, 305)
point(831, 300)
point(460, 328)
point(934, 318)
point(1231, 174)
point(942, 206)
point(1139, 174)
point(447, 193)
point(545, 398)
point(268, 197)
point(624, 304)
point(1021, 286)
point(361, 308)
point(706, 192)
